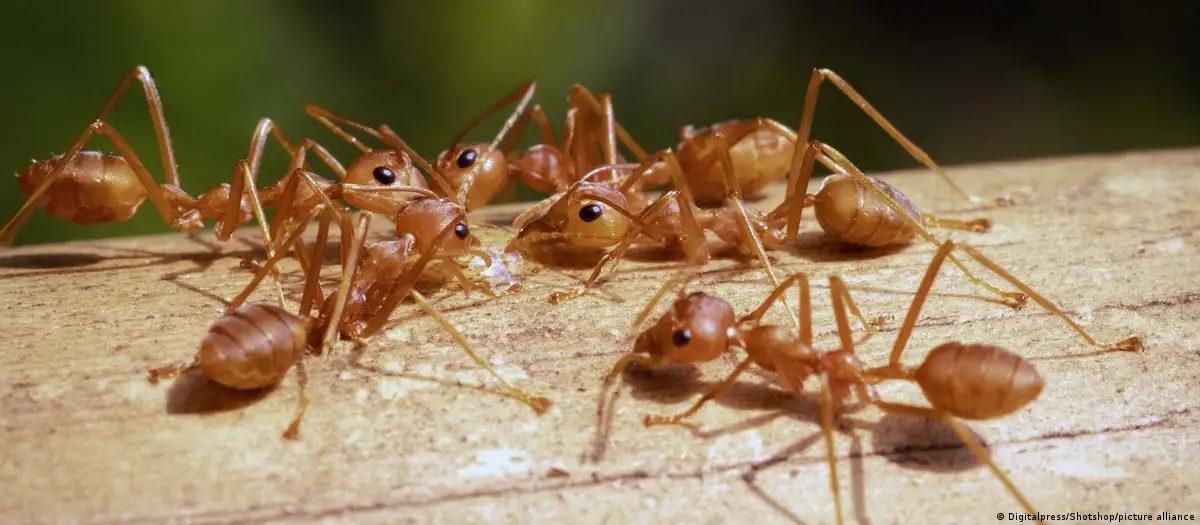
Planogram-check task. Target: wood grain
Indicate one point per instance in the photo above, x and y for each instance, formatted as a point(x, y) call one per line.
point(407, 429)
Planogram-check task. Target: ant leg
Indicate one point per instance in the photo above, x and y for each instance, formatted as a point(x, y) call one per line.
point(914, 309)
point(343, 218)
point(981, 225)
point(296, 231)
point(293, 428)
point(734, 196)
point(154, 101)
point(694, 239)
point(967, 439)
point(804, 323)
point(714, 394)
point(358, 239)
point(584, 140)
point(608, 142)
point(285, 201)
point(167, 372)
point(842, 299)
point(1132, 344)
point(622, 135)
point(544, 128)
point(810, 105)
point(228, 221)
point(244, 181)
point(312, 268)
point(330, 120)
point(523, 93)
point(1013, 300)
point(797, 190)
point(539, 404)
point(827, 402)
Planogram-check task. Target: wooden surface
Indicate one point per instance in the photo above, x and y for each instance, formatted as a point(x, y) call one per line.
point(400, 431)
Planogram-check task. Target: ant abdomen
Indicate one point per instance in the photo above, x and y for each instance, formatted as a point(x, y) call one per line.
point(977, 381)
point(96, 188)
point(759, 159)
point(254, 346)
point(853, 214)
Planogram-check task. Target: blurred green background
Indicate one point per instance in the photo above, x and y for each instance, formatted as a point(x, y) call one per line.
point(968, 83)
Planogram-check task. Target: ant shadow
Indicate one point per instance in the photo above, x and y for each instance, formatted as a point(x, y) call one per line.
point(66, 263)
point(193, 393)
point(819, 247)
point(356, 362)
point(892, 435)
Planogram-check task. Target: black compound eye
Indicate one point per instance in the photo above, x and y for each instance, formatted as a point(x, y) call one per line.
point(384, 175)
point(461, 230)
point(590, 212)
point(466, 158)
point(681, 337)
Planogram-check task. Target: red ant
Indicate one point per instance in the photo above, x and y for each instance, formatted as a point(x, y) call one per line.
point(969, 381)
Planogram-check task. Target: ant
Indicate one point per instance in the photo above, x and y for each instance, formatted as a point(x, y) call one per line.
point(763, 146)
point(968, 381)
point(253, 346)
point(850, 206)
point(383, 273)
point(384, 181)
point(89, 187)
point(545, 167)
point(858, 210)
point(670, 221)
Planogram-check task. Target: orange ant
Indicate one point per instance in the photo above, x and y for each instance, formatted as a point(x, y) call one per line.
point(579, 217)
point(760, 148)
point(432, 228)
point(253, 347)
point(968, 381)
point(543, 167)
point(864, 211)
point(89, 187)
point(850, 206)
point(381, 181)
point(591, 216)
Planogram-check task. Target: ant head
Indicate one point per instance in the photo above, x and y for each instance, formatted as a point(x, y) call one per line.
point(485, 166)
point(425, 218)
point(382, 168)
point(590, 215)
point(697, 328)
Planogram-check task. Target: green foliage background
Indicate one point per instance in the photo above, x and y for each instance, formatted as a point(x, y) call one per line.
point(967, 83)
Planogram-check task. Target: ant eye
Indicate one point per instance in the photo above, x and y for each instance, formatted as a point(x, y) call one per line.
point(681, 337)
point(590, 212)
point(384, 175)
point(461, 230)
point(466, 158)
